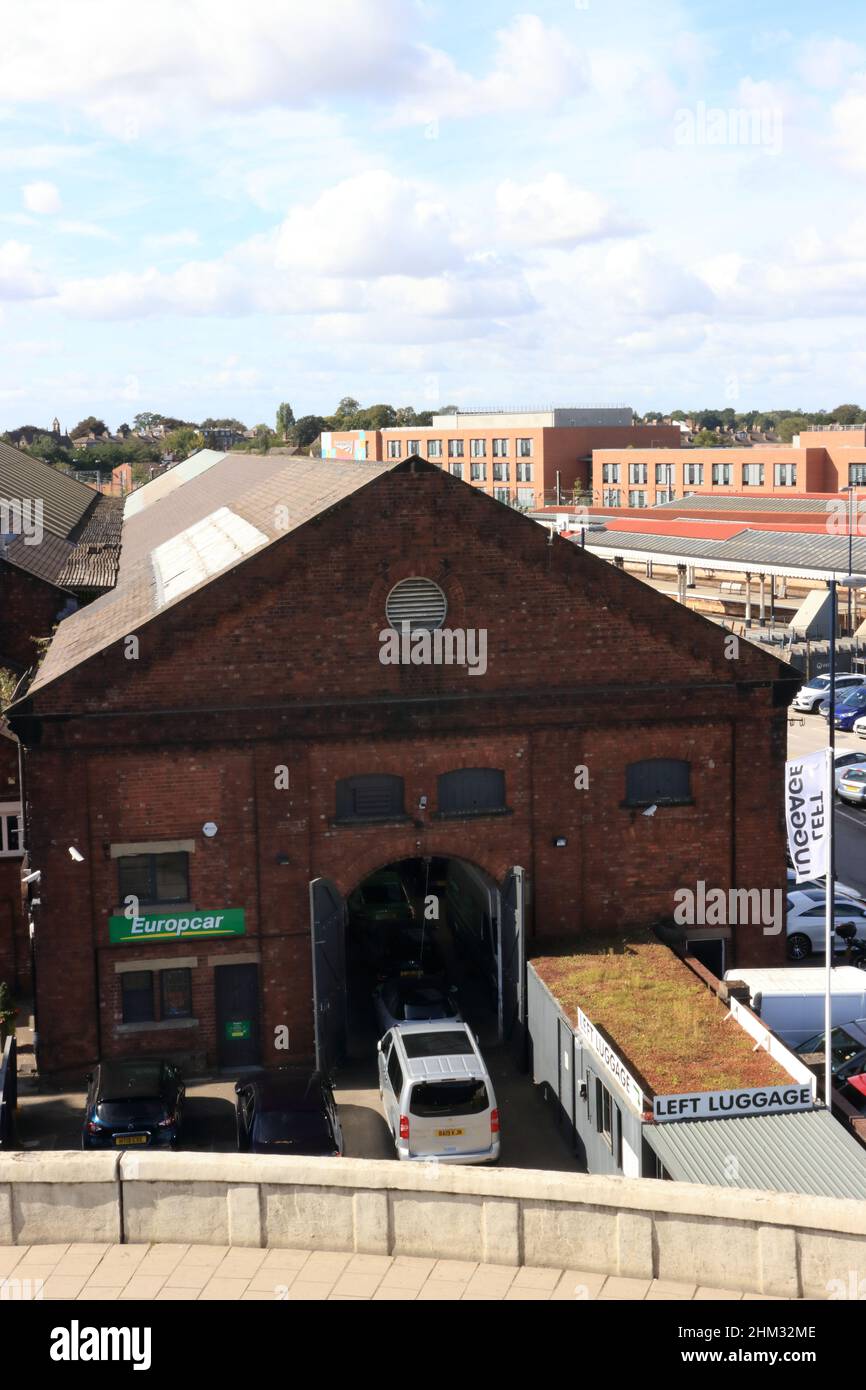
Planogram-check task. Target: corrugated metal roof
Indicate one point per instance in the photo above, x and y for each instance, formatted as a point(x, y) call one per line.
point(241, 504)
point(755, 550)
point(738, 503)
point(158, 488)
point(64, 501)
point(802, 1151)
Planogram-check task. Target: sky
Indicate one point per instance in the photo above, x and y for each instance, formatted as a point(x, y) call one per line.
point(209, 207)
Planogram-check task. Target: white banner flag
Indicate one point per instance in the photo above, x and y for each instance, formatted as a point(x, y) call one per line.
point(807, 814)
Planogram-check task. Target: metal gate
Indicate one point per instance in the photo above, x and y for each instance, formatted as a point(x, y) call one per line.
point(512, 956)
point(328, 929)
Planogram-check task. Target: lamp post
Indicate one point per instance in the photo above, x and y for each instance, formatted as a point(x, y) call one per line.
point(851, 582)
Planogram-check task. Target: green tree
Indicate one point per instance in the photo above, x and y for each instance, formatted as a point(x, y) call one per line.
point(48, 449)
point(228, 424)
point(376, 417)
point(285, 419)
point(708, 439)
point(183, 442)
point(347, 409)
point(89, 426)
point(307, 430)
point(145, 421)
point(847, 415)
point(790, 425)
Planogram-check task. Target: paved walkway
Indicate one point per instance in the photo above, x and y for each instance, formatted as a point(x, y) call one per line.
point(236, 1273)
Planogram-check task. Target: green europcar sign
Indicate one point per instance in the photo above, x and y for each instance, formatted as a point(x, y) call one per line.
point(151, 927)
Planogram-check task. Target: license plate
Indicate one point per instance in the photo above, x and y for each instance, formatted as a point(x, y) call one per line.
point(130, 1138)
point(851, 786)
point(448, 1133)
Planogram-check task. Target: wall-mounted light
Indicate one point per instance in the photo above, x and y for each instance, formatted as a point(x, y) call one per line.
point(560, 842)
point(209, 828)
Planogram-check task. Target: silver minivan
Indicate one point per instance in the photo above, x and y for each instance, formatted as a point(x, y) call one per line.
point(437, 1093)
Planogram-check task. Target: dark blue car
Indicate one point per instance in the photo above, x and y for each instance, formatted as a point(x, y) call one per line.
point(133, 1105)
point(849, 707)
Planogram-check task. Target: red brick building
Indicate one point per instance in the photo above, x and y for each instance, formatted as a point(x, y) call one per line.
point(14, 937)
point(221, 744)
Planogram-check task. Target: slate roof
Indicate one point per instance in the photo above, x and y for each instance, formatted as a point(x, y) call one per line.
point(64, 501)
point(182, 542)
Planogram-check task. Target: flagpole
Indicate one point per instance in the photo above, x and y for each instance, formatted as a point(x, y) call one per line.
point(831, 862)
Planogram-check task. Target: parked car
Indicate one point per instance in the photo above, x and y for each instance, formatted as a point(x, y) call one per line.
point(806, 921)
point(408, 1000)
point(410, 953)
point(851, 784)
point(291, 1111)
point(860, 726)
point(849, 707)
point(437, 1094)
point(811, 695)
point(133, 1105)
point(848, 1049)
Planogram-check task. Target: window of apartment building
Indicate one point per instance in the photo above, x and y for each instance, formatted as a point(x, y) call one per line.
point(665, 474)
point(637, 472)
point(500, 473)
point(471, 791)
point(500, 448)
point(141, 1003)
point(455, 448)
point(753, 475)
point(11, 837)
point(525, 497)
point(502, 494)
point(478, 448)
point(456, 470)
point(610, 497)
point(434, 448)
point(658, 782)
point(394, 447)
point(373, 796)
point(524, 448)
point(478, 472)
point(664, 494)
point(413, 447)
point(785, 475)
point(154, 878)
point(693, 473)
point(610, 472)
point(637, 499)
point(722, 474)
point(524, 472)
point(857, 474)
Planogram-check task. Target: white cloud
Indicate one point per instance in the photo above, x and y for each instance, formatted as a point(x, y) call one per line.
point(169, 241)
point(19, 278)
point(553, 212)
point(41, 197)
point(370, 225)
point(848, 121)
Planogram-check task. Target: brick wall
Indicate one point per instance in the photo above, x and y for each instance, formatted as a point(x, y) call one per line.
point(276, 664)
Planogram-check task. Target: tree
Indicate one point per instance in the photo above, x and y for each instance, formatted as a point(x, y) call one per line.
point(89, 426)
point(285, 419)
point(347, 408)
point(237, 426)
point(145, 421)
point(790, 425)
point(307, 430)
point(183, 442)
point(376, 417)
point(708, 420)
point(48, 449)
point(847, 414)
point(707, 439)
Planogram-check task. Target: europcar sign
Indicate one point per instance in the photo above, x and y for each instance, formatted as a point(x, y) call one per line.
point(151, 927)
point(711, 1105)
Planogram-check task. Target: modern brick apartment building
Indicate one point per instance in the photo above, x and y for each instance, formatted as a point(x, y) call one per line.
point(820, 461)
point(14, 940)
point(220, 743)
point(523, 457)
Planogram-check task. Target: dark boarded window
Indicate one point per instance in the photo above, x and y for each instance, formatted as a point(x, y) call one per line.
point(137, 996)
point(154, 878)
point(377, 796)
point(471, 791)
point(659, 782)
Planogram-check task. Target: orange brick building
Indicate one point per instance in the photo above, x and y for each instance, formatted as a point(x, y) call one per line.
point(524, 458)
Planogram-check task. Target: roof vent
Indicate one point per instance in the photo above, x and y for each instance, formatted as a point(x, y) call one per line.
point(418, 602)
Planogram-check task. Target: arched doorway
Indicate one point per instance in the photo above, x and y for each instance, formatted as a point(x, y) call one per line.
point(440, 927)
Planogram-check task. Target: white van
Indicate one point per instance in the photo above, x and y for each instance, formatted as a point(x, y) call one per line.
point(437, 1094)
point(790, 1001)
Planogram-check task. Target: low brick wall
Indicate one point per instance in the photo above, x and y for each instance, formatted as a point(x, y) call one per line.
point(761, 1242)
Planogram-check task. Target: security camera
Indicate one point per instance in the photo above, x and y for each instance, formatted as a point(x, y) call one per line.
point(651, 810)
point(422, 803)
point(34, 877)
point(74, 854)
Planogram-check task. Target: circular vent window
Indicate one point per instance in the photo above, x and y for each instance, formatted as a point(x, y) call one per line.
point(418, 602)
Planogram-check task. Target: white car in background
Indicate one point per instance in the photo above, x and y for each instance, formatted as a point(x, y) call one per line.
point(806, 921)
point(860, 726)
point(811, 696)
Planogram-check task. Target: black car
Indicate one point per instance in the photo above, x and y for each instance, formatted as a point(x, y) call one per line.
point(288, 1112)
point(133, 1105)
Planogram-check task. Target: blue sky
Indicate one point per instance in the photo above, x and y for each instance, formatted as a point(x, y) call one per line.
point(207, 207)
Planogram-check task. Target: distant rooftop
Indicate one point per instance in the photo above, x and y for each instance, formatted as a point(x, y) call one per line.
point(541, 417)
